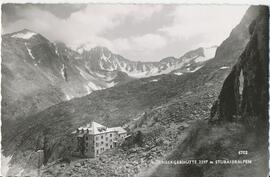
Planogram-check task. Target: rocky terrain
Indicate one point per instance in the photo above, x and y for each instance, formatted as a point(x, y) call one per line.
point(118, 162)
point(163, 113)
point(239, 117)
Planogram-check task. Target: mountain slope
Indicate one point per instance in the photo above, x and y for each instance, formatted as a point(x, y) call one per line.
point(239, 117)
point(38, 73)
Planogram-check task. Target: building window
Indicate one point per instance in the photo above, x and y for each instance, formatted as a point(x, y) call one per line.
point(97, 138)
point(96, 144)
point(86, 144)
point(110, 135)
point(101, 136)
point(97, 151)
point(106, 144)
point(111, 146)
point(101, 142)
point(107, 138)
point(110, 140)
point(86, 137)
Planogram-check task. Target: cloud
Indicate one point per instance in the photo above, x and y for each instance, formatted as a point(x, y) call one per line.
point(139, 32)
point(212, 22)
point(143, 45)
point(139, 47)
point(140, 43)
point(81, 26)
point(149, 42)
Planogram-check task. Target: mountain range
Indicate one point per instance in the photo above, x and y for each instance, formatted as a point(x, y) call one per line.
point(38, 73)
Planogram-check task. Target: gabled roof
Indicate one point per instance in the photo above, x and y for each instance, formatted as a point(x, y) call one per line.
point(118, 129)
point(96, 128)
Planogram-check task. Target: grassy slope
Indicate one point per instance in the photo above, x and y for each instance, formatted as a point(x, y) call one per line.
point(217, 142)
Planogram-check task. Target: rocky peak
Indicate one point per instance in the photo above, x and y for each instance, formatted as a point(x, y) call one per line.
point(232, 47)
point(168, 60)
point(102, 52)
point(101, 49)
point(194, 53)
point(25, 30)
point(25, 34)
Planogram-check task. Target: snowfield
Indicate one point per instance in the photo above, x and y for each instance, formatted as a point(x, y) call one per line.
point(26, 35)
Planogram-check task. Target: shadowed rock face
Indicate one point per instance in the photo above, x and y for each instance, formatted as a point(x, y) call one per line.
point(244, 95)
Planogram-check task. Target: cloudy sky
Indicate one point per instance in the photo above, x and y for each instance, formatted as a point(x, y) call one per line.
point(138, 32)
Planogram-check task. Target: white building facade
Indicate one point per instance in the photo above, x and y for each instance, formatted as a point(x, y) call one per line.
point(94, 139)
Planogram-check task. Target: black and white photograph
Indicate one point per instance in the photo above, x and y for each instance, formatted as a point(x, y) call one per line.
point(134, 90)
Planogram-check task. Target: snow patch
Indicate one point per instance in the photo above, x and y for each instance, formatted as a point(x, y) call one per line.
point(196, 69)
point(111, 84)
point(136, 118)
point(224, 67)
point(103, 57)
point(178, 74)
point(93, 86)
point(88, 89)
point(63, 71)
point(144, 68)
point(26, 35)
point(154, 80)
point(30, 52)
point(69, 97)
point(80, 51)
point(100, 75)
point(101, 65)
point(56, 51)
point(5, 165)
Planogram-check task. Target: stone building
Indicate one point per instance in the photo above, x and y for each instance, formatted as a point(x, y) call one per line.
point(94, 139)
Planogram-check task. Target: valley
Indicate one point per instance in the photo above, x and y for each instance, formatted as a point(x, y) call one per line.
point(38, 73)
